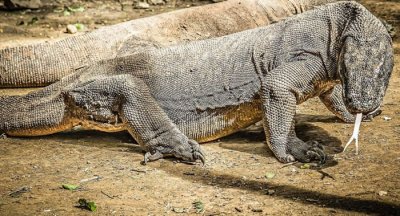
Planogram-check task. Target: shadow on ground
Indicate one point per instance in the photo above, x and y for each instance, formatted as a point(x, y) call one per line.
point(288, 192)
point(305, 130)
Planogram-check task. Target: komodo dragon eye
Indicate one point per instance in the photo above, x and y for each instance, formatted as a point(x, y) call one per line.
point(365, 67)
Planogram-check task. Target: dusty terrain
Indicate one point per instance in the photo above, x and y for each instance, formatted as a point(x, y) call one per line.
point(241, 176)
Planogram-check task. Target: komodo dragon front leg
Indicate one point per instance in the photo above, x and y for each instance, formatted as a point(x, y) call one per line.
point(103, 98)
point(280, 94)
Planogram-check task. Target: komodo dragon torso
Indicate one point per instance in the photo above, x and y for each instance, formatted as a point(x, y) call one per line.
point(203, 90)
point(45, 63)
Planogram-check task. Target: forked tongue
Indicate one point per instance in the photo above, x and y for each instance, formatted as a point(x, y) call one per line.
point(355, 132)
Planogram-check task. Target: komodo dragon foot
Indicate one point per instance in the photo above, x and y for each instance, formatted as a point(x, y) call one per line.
point(189, 152)
point(305, 152)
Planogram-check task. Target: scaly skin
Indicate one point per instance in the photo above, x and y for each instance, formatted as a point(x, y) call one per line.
point(167, 98)
point(46, 63)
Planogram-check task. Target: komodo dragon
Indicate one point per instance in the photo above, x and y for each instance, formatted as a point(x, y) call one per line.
point(45, 63)
point(168, 98)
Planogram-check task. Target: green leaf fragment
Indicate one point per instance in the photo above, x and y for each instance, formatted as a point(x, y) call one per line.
point(33, 21)
point(58, 10)
point(66, 13)
point(76, 9)
point(91, 206)
point(199, 206)
point(269, 175)
point(305, 166)
point(179, 210)
point(79, 26)
point(70, 186)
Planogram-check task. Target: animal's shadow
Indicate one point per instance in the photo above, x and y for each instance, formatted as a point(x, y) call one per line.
point(112, 141)
point(246, 140)
point(292, 193)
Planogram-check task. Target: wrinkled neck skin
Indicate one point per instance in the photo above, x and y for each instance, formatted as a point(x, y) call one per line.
point(351, 22)
point(336, 28)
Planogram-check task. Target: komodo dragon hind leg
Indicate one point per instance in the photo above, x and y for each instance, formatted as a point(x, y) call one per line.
point(130, 99)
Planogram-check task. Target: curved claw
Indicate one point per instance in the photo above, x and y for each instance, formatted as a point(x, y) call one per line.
point(146, 157)
point(288, 159)
point(199, 155)
point(316, 151)
point(316, 144)
point(3, 136)
point(318, 154)
point(312, 155)
point(322, 154)
point(151, 157)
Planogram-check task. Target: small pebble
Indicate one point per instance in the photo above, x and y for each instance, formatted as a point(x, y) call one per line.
point(71, 29)
point(270, 192)
point(382, 193)
point(387, 118)
point(157, 2)
point(141, 5)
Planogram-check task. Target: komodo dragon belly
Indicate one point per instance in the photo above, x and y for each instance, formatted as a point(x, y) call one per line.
point(206, 126)
point(216, 123)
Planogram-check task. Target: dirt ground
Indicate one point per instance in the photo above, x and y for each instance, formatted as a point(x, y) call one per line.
point(241, 176)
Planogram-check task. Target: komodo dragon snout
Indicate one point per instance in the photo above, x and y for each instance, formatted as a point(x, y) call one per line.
point(365, 69)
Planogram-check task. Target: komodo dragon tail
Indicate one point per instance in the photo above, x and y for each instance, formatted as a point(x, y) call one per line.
point(32, 114)
point(40, 112)
point(45, 63)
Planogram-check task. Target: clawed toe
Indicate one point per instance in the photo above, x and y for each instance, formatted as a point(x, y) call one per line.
point(285, 158)
point(198, 153)
point(315, 144)
point(152, 157)
point(318, 154)
point(307, 151)
point(200, 156)
point(289, 159)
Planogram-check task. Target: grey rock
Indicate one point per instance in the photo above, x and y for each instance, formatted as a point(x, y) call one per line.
point(156, 2)
point(141, 5)
point(71, 29)
point(22, 4)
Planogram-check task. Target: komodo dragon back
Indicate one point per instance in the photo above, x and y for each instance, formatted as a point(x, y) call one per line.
point(45, 63)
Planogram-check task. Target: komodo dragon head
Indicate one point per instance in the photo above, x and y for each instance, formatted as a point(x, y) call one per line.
point(365, 62)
